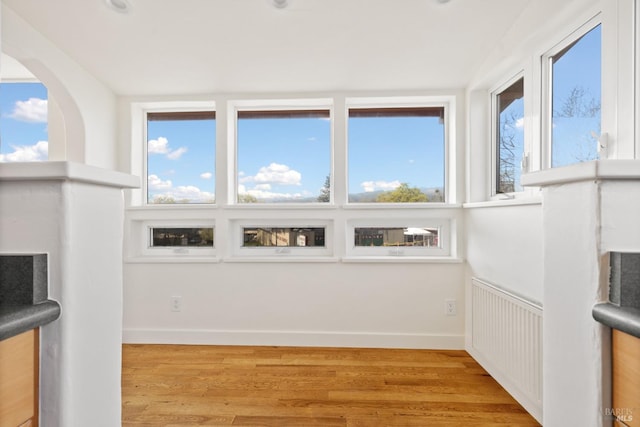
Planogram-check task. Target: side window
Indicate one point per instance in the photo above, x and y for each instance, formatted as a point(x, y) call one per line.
point(509, 137)
point(575, 118)
point(283, 156)
point(396, 155)
point(23, 122)
point(180, 153)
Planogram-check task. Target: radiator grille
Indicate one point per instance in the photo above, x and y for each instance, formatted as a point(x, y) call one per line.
point(507, 340)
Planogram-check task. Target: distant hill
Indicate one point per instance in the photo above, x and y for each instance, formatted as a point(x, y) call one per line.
point(433, 194)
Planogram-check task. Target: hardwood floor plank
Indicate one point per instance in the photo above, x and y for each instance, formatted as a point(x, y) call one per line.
point(282, 386)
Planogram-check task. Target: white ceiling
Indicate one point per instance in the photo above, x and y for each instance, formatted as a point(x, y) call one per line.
point(205, 46)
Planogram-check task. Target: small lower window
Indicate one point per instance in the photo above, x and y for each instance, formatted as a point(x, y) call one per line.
point(397, 238)
point(188, 238)
point(181, 237)
point(283, 237)
point(287, 238)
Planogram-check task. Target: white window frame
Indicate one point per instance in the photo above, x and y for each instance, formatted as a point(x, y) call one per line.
point(444, 238)
point(302, 104)
point(448, 103)
point(238, 251)
point(525, 161)
point(139, 138)
point(547, 79)
point(147, 250)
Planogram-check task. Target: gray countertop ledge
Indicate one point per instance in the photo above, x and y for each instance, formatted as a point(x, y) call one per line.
point(16, 319)
point(625, 319)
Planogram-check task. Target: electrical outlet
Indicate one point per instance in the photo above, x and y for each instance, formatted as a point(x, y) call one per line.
point(450, 308)
point(176, 303)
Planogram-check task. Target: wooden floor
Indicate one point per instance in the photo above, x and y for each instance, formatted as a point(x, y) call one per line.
point(173, 385)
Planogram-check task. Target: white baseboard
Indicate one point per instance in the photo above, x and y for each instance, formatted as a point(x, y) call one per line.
point(293, 338)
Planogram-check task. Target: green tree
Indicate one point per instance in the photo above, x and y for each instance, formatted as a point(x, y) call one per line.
point(247, 198)
point(163, 199)
point(325, 192)
point(403, 194)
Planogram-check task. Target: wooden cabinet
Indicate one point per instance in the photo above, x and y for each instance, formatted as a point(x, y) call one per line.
point(626, 378)
point(19, 380)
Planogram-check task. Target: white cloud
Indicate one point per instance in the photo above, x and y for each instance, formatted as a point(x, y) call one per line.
point(263, 187)
point(158, 146)
point(176, 154)
point(155, 183)
point(161, 146)
point(268, 195)
point(34, 111)
point(206, 175)
point(275, 174)
point(27, 153)
point(370, 186)
point(520, 123)
point(193, 194)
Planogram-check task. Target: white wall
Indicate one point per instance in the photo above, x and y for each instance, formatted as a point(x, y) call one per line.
point(505, 247)
point(334, 304)
point(88, 106)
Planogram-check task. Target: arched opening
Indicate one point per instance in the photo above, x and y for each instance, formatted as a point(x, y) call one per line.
point(35, 111)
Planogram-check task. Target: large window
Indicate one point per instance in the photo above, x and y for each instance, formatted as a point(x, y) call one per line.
point(575, 100)
point(23, 122)
point(396, 155)
point(509, 137)
point(283, 156)
point(181, 157)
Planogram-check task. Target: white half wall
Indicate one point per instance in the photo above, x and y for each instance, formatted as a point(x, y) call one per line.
point(504, 247)
point(323, 304)
point(75, 214)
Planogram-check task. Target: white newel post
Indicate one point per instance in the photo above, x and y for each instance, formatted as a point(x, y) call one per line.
point(581, 225)
point(75, 213)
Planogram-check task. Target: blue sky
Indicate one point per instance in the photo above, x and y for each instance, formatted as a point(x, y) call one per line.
point(289, 159)
point(23, 122)
point(181, 160)
point(387, 151)
point(284, 159)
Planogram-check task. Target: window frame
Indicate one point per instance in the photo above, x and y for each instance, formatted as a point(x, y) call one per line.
point(234, 107)
point(447, 103)
point(445, 226)
point(171, 107)
point(525, 161)
point(148, 250)
point(238, 251)
point(546, 139)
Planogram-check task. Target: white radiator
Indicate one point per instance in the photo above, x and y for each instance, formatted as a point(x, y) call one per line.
point(506, 339)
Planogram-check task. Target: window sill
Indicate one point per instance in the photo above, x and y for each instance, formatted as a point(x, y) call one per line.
point(517, 201)
point(403, 259)
point(172, 207)
point(171, 260)
point(283, 258)
point(614, 169)
point(398, 206)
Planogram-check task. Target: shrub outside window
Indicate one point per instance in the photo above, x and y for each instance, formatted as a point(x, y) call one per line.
point(283, 156)
point(396, 154)
point(576, 100)
point(180, 152)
